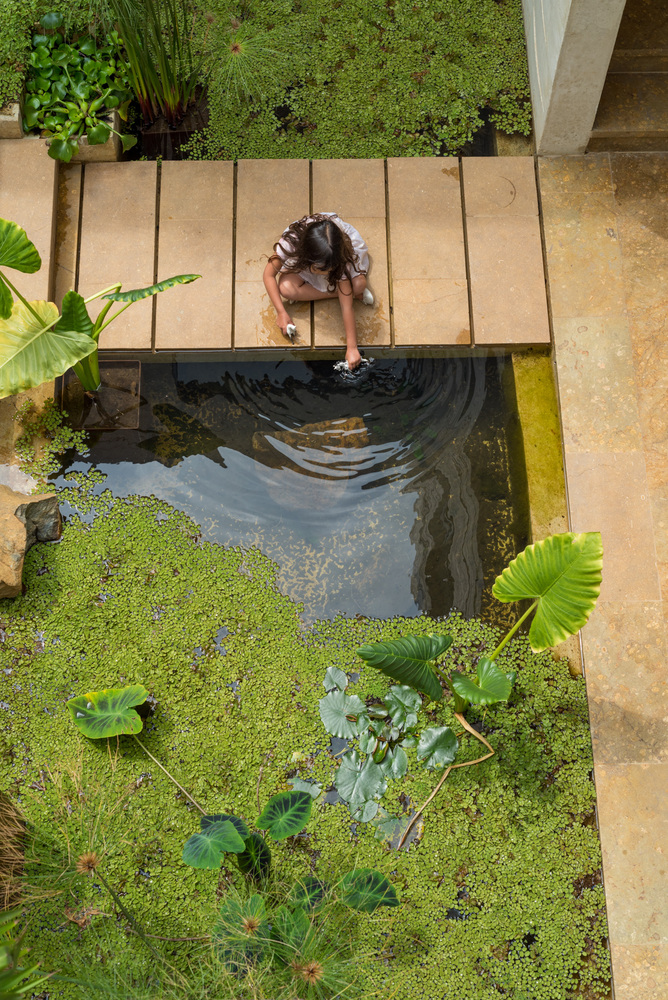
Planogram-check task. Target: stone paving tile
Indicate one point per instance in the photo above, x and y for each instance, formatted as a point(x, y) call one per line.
point(195, 237)
point(641, 971)
point(608, 492)
point(597, 384)
point(504, 185)
point(271, 194)
point(429, 287)
point(67, 230)
point(508, 297)
point(28, 188)
point(575, 174)
point(351, 188)
point(373, 322)
point(118, 244)
point(633, 820)
point(627, 688)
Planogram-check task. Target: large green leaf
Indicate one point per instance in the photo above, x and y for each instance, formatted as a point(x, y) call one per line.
point(403, 704)
point(74, 316)
point(311, 893)
point(564, 573)
point(16, 250)
point(206, 849)
point(366, 889)
point(437, 747)
point(110, 712)
point(286, 814)
point(135, 294)
point(357, 782)
point(408, 660)
point(492, 686)
point(340, 713)
point(32, 352)
point(335, 680)
point(255, 859)
point(237, 823)
point(395, 763)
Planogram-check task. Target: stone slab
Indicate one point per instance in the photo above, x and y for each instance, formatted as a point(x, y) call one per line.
point(429, 287)
point(118, 244)
point(67, 230)
point(355, 190)
point(499, 185)
point(373, 322)
point(11, 121)
point(28, 189)
point(641, 971)
point(195, 237)
point(271, 194)
point(508, 296)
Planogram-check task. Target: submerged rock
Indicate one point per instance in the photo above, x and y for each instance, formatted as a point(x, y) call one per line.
point(24, 520)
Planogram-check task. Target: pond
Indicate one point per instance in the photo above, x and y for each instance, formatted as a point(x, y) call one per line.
point(391, 495)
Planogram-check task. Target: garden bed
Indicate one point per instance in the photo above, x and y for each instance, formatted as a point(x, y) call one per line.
point(501, 894)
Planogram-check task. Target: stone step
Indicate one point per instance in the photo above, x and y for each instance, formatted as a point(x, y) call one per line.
point(632, 113)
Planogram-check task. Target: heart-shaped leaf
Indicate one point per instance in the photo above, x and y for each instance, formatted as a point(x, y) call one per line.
point(335, 680)
point(135, 294)
point(206, 849)
point(395, 763)
point(437, 747)
point(17, 251)
point(563, 572)
point(366, 812)
point(403, 704)
point(286, 814)
point(311, 787)
point(51, 21)
point(311, 893)
point(98, 135)
point(110, 712)
point(366, 889)
point(238, 824)
point(340, 713)
point(409, 660)
point(357, 782)
point(255, 859)
point(492, 684)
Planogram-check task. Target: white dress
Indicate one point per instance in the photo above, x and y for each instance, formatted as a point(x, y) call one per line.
point(319, 281)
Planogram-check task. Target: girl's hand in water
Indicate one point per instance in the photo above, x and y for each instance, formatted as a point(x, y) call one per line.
point(353, 357)
point(283, 321)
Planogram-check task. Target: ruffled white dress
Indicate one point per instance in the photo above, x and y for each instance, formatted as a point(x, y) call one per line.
point(319, 281)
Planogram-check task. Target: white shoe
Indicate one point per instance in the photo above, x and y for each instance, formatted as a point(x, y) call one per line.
point(367, 297)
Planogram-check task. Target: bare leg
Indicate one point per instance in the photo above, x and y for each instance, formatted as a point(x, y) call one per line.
point(359, 284)
point(291, 286)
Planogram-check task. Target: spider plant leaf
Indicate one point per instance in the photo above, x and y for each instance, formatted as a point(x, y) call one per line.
point(286, 814)
point(563, 573)
point(492, 684)
point(409, 660)
point(135, 294)
point(110, 712)
point(365, 889)
point(289, 929)
point(206, 848)
point(242, 933)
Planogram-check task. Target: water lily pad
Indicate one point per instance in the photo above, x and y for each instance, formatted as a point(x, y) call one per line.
point(335, 680)
point(403, 704)
point(437, 747)
point(356, 782)
point(340, 713)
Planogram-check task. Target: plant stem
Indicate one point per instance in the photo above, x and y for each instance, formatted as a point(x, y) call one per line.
point(128, 916)
point(170, 776)
point(88, 371)
point(451, 767)
point(24, 301)
point(513, 630)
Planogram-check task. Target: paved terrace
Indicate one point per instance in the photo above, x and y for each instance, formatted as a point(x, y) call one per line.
point(456, 255)
point(605, 222)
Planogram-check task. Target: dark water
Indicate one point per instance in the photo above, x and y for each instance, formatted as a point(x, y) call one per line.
point(385, 497)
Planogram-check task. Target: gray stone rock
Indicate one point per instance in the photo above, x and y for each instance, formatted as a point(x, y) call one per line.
point(24, 520)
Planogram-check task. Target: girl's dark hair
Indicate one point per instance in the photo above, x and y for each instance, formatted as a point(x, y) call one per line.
point(316, 241)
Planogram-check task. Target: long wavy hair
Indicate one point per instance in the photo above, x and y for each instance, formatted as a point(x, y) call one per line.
point(316, 241)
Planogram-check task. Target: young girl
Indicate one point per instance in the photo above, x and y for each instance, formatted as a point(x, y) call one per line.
point(320, 257)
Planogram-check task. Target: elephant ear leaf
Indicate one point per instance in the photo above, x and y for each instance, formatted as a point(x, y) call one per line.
point(286, 814)
point(366, 889)
point(492, 684)
point(135, 294)
point(16, 250)
point(206, 849)
point(75, 316)
point(563, 575)
point(110, 712)
point(255, 859)
point(408, 660)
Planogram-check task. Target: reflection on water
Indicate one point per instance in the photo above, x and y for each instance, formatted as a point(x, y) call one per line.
point(387, 497)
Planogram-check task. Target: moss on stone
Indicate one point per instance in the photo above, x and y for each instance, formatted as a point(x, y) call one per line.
point(503, 891)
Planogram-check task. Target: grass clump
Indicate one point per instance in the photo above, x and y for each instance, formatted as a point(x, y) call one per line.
point(501, 895)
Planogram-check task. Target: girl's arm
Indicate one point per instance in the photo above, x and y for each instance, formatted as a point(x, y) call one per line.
point(271, 284)
point(345, 292)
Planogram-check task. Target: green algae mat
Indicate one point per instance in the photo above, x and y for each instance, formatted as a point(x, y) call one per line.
point(499, 895)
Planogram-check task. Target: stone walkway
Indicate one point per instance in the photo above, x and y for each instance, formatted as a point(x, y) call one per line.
point(606, 229)
point(456, 254)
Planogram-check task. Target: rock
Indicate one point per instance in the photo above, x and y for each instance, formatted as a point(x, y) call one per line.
point(24, 520)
